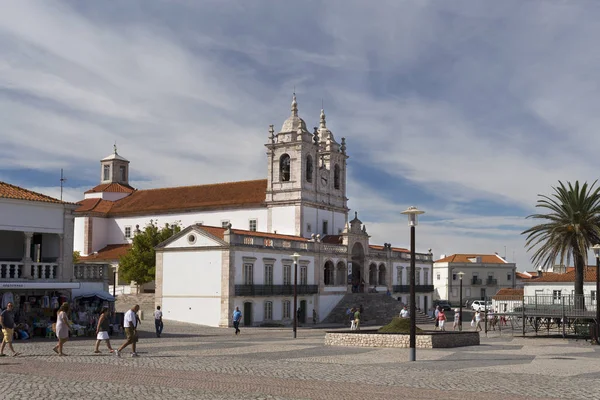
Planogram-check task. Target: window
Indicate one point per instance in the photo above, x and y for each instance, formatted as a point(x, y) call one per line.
point(593, 296)
point(225, 223)
point(399, 275)
point(425, 277)
point(309, 168)
point(509, 277)
point(453, 277)
point(336, 176)
point(252, 225)
point(438, 276)
point(123, 173)
point(128, 232)
point(268, 311)
point(325, 227)
point(287, 274)
point(328, 273)
point(556, 296)
point(286, 309)
point(268, 274)
point(284, 168)
point(248, 274)
point(308, 228)
point(106, 171)
point(417, 276)
point(303, 275)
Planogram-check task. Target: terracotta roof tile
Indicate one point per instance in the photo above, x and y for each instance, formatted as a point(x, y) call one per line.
point(509, 294)
point(396, 249)
point(589, 276)
point(108, 253)
point(525, 275)
point(112, 188)
point(94, 205)
point(8, 191)
point(332, 239)
point(220, 233)
point(465, 258)
point(213, 196)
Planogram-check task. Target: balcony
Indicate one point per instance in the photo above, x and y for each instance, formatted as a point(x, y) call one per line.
point(491, 282)
point(274, 290)
point(14, 270)
point(418, 288)
point(11, 270)
point(476, 281)
point(90, 272)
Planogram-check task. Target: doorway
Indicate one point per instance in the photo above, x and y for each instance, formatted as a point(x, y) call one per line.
point(482, 294)
point(425, 305)
point(248, 314)
point(302, 316)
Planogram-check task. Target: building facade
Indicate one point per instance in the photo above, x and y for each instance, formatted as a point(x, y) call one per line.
point(483, 276)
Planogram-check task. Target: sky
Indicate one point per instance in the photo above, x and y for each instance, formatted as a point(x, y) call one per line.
point(466, 109)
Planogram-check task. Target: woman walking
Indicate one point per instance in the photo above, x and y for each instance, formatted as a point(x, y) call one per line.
point(62, 328)
point(102, 331)
point(442, 320)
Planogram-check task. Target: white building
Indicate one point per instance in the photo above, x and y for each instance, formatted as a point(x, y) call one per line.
point(36, 246)
point(301, 206)
point(483, 276)
point(554, 288)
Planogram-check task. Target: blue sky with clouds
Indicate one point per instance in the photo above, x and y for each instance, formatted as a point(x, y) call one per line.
point(466, 109)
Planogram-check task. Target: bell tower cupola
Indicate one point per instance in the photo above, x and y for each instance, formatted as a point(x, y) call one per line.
point(114, 169)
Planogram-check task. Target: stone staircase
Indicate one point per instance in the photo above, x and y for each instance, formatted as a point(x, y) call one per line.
point(146, 301)
point(378, 309)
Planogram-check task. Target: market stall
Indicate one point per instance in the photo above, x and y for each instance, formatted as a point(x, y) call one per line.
point(86, 310)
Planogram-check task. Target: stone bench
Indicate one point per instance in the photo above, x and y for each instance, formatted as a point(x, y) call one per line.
point(424, 340)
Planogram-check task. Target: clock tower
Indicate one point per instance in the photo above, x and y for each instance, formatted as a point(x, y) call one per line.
point(306, 183)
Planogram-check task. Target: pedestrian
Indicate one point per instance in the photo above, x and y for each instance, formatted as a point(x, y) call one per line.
point(130, 324)
point(158, 322)
point(442, 320)
point(62, 328)
point(102, 331)
point(237, 317)
point(314, 316)
point(7, 320)
point(436, 313)
point(404, 312)
point(357, 319)
point(477, 320)
point(456, 319)
point(352, 320)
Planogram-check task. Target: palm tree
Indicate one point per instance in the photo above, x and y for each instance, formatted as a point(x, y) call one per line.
point(569, 229)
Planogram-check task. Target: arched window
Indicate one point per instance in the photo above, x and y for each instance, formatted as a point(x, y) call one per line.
point(284, 168)
point(336, 176)
point(341, 274)
point(268, 316)
point(328, 273)
point(373, 274)
point(382, 271)
point(309, 168)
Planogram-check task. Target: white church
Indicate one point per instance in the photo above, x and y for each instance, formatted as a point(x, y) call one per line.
point(237, 238)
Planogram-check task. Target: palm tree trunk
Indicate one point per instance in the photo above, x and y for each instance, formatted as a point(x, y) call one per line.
point(579, 274)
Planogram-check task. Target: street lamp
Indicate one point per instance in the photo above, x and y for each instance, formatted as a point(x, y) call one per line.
point(596, 249)
point(460, 318)
point(413, 219)
point(295, 257)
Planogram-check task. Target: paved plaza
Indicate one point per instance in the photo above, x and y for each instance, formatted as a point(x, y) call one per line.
point(191, 362)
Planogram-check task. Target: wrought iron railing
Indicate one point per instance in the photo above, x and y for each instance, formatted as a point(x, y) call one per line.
point(274, 290)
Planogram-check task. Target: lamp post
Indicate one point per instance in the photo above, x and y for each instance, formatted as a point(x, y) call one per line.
point(460, 318)
point(596, 249)
point(413, 219)
point(295, 257)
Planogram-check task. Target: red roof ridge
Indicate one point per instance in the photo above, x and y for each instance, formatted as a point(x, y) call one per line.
point(195, 186)
point(36, 195)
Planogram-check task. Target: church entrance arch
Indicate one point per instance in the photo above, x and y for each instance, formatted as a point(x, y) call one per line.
point(358, 262)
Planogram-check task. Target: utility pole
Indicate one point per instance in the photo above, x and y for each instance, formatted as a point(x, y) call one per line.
point(62, 180)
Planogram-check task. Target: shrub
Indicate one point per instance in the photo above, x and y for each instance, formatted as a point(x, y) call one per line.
point(398, 325)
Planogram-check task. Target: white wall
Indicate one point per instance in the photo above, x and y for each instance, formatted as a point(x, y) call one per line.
point(567, 288)
point(28, 216)
point(327, 303)
point(193, 310)
point(79, 234)
point(258, 307)
point(315, 217)
point(283, 220)
point(99, 233)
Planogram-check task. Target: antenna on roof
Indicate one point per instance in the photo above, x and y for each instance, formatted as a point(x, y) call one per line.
point(62, 180)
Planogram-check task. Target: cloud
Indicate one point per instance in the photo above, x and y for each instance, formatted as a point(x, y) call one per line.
point(468, 110)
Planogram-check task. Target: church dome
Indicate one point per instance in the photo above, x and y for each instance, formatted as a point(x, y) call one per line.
point(294, 122)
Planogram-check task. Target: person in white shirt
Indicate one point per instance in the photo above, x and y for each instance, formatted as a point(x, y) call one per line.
point(404, 313)
point(130, 324)
point(158, 323)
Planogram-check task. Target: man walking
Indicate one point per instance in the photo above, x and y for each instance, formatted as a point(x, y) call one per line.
point(7, 320)
point(237, 317)
point(130, 324)
point(158, 323)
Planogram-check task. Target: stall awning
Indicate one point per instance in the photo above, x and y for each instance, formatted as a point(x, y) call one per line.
point(39, 285)
point(102, 295)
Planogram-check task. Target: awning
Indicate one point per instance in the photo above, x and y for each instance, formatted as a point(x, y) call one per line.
point(102, 295)
point(39, 285)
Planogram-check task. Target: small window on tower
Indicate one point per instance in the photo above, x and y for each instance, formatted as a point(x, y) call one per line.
point(106, 171)
point(336, 176)
point(309, 168)
point(123, 173)
point(284, 168)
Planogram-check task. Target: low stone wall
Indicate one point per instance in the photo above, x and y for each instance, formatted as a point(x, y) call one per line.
point(425, 340)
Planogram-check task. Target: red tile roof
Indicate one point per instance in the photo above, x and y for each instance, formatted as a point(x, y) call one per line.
point(109, 253)
point(112, 188)
point(509, 294)
point(525, 275)
point(8, 191)
point(94, 205)
point(332, 239)
point(213, 196)
point(220, 233)
point(396, 249)
point(589, 276)
point(465, 258)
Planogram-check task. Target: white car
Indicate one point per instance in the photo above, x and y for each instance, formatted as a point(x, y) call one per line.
point(481, 305)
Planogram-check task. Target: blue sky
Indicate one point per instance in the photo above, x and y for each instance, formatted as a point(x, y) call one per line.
point(466, 109)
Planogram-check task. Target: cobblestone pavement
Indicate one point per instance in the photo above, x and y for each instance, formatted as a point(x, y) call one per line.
point(191, 362)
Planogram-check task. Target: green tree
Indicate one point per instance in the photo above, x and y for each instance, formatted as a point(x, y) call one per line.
point(569, 228)
point(139, 264)
point(76, 257)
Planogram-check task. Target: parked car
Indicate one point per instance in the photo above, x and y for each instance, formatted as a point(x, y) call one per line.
point(444, 305)
point(481, 305)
